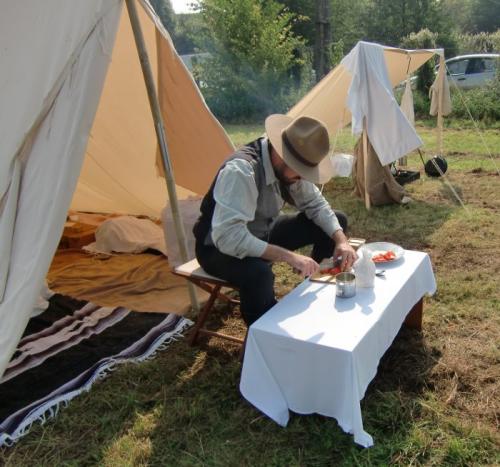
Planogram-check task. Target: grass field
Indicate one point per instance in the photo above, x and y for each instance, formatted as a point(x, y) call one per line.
point(434, 401)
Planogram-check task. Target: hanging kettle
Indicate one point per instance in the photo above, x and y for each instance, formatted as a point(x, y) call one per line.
point(436, 166)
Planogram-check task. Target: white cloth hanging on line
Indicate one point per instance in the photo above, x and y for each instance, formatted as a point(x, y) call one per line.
point(370, 96)
point(434, 94)
point(407, 106)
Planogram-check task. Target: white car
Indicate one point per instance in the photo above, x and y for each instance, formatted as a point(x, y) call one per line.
point(466, 71)
point(472, 71)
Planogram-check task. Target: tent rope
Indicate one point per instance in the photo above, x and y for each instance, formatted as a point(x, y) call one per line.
point(444, 179)
point(464, 102)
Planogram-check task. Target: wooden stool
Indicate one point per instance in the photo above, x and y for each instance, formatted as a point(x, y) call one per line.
point(194, 273)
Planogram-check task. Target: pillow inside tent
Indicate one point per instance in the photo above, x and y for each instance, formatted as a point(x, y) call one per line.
point(128, 234)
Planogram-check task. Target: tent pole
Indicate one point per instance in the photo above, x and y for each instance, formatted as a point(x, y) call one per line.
point(442, 71)
point(365, 163)
point(162, 141)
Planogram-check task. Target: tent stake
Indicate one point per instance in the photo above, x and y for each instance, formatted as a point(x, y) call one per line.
point(162, 141)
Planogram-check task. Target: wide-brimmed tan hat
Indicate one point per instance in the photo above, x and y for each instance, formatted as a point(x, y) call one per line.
point(303, 144)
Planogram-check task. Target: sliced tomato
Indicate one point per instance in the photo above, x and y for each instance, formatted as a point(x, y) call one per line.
point(336, 270)
point(389, 255)
point(386, 256)
point(332, 271)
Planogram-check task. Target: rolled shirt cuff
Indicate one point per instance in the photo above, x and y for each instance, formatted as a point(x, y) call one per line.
point(248, 246)
point(256, 247)
point(330, 225)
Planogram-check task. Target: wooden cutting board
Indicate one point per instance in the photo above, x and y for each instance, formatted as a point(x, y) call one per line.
point(322, 277)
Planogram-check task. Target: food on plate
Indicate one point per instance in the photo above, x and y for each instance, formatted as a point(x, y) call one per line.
point(380, 256)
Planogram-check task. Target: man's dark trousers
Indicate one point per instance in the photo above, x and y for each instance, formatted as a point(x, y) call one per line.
point(254, 276)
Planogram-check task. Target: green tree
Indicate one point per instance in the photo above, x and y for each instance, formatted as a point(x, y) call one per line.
point(323, 39)
point(188, 33)
point(305, 9)
point(183, 28)
point(482, 42)
point(166, 13)
point(253, 52)
point(424, 39)
point(461, 13)
point(485, 15)
point(346, 24)
point(388, 21)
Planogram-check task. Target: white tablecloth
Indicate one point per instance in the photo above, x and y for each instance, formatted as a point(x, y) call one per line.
point(317, 353)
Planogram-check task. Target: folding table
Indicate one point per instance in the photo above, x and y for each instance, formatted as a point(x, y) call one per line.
point(314, 352)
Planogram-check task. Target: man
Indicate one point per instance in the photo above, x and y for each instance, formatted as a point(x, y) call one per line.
point(240, 232)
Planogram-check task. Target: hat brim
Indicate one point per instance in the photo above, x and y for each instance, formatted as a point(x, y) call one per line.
point(321, 173)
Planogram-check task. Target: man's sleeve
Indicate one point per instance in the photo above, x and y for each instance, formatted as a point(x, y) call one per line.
point(312, 203)
point(236, 194)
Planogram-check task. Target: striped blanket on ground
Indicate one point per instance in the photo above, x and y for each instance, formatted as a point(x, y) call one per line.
point(69, 347)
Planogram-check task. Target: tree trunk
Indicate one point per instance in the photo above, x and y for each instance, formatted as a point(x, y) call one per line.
point(323, 39)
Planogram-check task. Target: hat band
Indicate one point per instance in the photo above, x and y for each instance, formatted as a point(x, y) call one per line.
point(294, 152)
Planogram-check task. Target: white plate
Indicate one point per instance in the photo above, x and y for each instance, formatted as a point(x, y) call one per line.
point(382, 247)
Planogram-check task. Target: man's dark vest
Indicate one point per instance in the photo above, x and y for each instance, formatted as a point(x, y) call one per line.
point(252, 153)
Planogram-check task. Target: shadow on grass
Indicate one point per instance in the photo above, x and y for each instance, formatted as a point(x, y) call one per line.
point(205, 421)
point(408, 225)
point(185, 408)
point(218, 427)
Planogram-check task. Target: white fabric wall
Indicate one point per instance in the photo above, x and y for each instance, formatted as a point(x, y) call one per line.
point(328, 100)
point(54, 57)
point(53, 60)
point(370, 99)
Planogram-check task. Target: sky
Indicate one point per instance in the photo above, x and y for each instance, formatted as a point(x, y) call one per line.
point(181, 6)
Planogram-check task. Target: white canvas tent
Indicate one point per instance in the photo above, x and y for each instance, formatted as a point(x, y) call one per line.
point(75, 134)
point(363, 79)
point(360, 91)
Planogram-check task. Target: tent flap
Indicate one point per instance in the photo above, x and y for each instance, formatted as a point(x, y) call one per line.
point(119, 172)
point(53, 160)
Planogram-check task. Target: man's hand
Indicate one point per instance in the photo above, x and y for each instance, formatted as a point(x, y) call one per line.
point(348, 255)
point(304, 265)
point(344, 251)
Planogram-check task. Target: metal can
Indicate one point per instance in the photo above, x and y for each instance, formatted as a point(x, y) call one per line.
point(345, 284)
